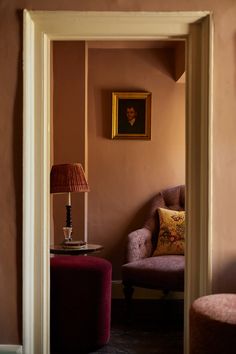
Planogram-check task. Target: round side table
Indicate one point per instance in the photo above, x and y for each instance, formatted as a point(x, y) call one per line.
point(87, 248)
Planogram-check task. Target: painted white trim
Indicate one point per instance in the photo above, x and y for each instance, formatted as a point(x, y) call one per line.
point(36, 203)
point(198, 272)
point(10, 349)
point(28, 185)
point(147, 25)
point(39, 29)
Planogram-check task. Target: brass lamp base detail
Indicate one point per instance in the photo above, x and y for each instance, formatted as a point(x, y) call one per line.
point(73, 244)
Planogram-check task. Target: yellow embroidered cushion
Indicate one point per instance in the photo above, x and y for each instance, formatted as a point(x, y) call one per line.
point(172, 232)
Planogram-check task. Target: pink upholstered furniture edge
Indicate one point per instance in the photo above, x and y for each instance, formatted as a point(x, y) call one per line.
point(160, 272)
point(141, 242)
point(213, 324)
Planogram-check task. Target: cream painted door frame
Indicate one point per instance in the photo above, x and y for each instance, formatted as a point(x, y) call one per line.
point(42, 27)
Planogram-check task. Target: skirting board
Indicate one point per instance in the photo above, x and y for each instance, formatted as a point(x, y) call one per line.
point(10, 349)
point(141, 293)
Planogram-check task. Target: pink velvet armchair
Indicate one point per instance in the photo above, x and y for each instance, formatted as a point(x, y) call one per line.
point(165, 272)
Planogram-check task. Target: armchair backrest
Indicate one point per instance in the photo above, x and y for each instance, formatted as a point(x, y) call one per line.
point(171, 198)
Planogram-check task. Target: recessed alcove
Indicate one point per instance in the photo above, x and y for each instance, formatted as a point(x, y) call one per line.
point(123, 175)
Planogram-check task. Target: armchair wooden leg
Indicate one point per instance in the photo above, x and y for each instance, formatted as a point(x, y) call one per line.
point(128, 293)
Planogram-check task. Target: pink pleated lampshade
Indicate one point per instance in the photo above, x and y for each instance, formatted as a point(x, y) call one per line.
point(68, 178)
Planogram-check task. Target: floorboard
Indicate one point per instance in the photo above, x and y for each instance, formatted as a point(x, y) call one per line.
point(151, 327)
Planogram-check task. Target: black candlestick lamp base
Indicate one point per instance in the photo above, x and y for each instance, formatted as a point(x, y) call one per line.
point(68, 228)
point(68, 216)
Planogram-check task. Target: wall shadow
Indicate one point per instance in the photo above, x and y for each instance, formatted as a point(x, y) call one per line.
point(17, 168)
point(106, 108)
point(225, 278)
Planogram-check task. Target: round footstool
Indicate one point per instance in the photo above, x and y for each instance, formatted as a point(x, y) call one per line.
point(80, 303)
point(213, 324)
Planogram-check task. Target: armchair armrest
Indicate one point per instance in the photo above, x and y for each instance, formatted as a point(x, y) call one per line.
point(139, 245)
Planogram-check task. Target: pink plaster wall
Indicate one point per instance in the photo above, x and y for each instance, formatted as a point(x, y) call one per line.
point(11, 127)
point(68, 127)
point(125, 174)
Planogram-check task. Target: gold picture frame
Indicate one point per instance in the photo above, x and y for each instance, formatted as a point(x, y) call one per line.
point(131, 115)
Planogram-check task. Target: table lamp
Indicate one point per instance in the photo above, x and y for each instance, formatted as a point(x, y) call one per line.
point(68, 178)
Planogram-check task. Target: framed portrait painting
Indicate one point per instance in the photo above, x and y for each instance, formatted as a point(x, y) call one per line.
point(131, 115)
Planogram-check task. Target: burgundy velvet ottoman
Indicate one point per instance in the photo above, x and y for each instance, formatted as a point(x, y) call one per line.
point(213, 324)
point(80, 303)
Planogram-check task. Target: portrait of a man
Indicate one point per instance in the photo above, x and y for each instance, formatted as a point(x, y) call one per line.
point(131, 115)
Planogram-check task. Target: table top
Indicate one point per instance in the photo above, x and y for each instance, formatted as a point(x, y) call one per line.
point(87, 248)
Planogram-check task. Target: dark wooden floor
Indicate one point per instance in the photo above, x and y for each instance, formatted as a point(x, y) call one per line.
point(152, 327)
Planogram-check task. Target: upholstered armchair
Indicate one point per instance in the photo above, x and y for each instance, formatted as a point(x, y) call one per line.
point(142, 269)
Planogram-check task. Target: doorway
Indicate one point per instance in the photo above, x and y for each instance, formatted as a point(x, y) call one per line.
point(40, 29)
point(123, 174)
